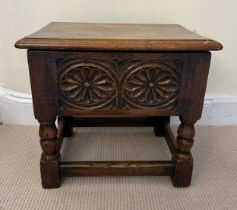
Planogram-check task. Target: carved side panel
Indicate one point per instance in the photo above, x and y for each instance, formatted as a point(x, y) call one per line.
point(86, 84)
point(151, 85)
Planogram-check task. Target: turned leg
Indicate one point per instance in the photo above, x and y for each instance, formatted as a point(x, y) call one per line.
point(49, 163)
point(159, 128)
point(183, 156)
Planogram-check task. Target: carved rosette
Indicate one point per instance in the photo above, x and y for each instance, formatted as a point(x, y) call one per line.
point(151, 85)
point(87, 85)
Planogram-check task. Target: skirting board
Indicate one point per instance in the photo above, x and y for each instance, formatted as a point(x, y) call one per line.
point(16, 108)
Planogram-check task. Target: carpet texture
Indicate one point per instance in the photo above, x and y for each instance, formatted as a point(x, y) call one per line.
point(214, 183)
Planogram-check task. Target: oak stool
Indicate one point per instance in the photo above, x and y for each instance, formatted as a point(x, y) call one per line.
point(117, 75)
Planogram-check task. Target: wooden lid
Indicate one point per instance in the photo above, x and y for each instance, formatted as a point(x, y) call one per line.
point(127, 37)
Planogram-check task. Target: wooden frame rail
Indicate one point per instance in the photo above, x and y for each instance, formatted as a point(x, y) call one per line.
point(118, 168)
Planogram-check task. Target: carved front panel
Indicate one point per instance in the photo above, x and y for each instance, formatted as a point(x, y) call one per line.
point(119, 84)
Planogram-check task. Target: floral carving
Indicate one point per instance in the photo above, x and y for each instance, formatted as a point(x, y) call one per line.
point(152, 86)
point(129, 84)
point(87, 85)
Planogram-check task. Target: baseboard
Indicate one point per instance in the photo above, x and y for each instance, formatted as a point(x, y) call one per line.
point(16, 108)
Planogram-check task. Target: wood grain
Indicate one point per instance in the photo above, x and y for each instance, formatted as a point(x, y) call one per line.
point(127, 37)
point(117, 168)
point(144, 83)
point(75, 84)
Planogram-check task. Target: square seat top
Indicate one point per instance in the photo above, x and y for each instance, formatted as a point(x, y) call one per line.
point(119, 37)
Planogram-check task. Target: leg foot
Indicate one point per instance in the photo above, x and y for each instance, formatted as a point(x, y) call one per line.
point(50, 175)
point(183, 170)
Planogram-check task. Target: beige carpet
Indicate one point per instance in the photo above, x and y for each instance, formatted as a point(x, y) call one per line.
point(214, 184)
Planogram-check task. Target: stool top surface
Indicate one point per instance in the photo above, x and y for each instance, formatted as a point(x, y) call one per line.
point(119, 37)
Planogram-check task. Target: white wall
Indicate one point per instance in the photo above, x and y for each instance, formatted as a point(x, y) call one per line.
point(212, 18)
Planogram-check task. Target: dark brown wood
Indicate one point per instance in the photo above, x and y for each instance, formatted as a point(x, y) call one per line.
point(118, 82)
point(115, 112)
point(170, 139)
point(184, 161)
point(118, 168)
point(49, 163)
point(68, 127)
point(117, 75)
point(60, 136)
point(116, 121)
point(43, 86)
point(193, 88)
point(159, 127)
point(132, 37)
point(183, 156)
point(185, 136)
point(183, 170)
